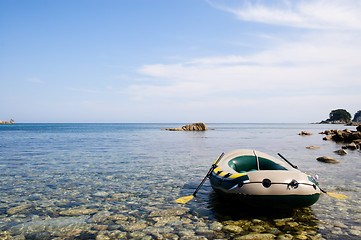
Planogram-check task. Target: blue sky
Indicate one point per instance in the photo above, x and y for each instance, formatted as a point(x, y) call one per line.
point(179, 61)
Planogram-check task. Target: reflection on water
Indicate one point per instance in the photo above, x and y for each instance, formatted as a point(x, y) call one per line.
point(284, 223)
point(227, 209)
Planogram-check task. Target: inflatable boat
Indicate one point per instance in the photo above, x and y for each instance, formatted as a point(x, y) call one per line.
point(256, 179)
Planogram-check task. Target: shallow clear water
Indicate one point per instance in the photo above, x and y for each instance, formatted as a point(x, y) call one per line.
point(109, 181)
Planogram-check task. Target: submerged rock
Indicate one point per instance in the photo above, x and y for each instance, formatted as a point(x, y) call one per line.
point(99, 217)
point(190, 127)
point(168, 212)
point(19, 208)
point(257, 236)
point(131, 227)
point(76, 212)
point(327, 159)
point(313, 147)
point(216, 226)
point(233, 228)
point(60, 224)
point(286, 236)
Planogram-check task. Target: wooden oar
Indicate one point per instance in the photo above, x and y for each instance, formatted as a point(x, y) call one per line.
point(190, 197)
point(335, 195)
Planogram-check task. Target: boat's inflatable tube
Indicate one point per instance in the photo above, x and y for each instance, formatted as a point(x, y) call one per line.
point(257, 179)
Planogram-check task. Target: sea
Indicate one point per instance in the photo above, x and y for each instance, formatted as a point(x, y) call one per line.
point(121, 180)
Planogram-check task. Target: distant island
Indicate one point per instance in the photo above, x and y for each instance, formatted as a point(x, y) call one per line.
point(6, 122)
point(341, 116)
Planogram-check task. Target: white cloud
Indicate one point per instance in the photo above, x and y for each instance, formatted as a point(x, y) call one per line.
point(314, 14)
point(315, 62)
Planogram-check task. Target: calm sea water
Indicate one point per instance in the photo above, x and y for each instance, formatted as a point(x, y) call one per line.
point(58, 180)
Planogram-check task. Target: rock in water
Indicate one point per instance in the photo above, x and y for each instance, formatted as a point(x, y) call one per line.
point(195, 127)
point(304, 133)
point(341, 152)
point(327, 138)
point(313, 147)
point(351, 146)
point(327, 159)
point(6, 122)
point(190, 127)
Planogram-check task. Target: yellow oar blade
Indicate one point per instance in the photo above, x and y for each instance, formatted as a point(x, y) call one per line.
point(336, 195)
point(184, 199)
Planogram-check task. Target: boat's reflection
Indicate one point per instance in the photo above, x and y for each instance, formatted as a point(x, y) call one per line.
point(226, 209)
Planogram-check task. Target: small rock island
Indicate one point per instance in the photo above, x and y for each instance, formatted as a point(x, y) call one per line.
point(190, 127)
point(6, 122)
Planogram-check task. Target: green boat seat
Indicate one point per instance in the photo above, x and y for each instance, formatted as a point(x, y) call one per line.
point(248, 163)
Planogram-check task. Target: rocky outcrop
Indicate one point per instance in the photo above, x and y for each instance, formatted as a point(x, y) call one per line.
point(343, 135)
point(6, 122)
point(190, 127)
point(352, 138)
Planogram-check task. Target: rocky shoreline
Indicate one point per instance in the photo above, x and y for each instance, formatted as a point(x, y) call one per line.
point(350, 123)
point(352, 139)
